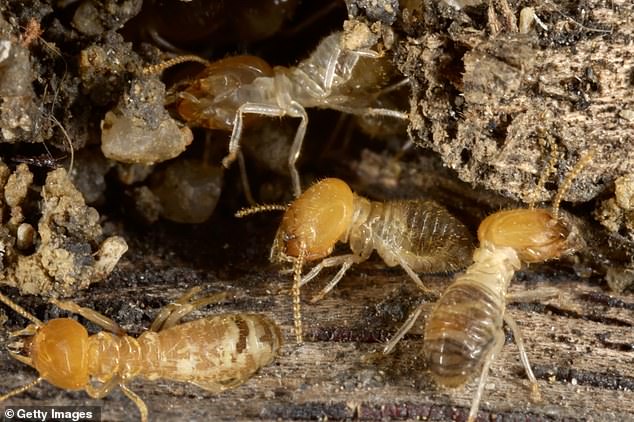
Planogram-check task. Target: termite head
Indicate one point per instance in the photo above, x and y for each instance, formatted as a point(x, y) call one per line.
point(536, 234)
point(315, 221)
point(58, 351)
point(212, 98)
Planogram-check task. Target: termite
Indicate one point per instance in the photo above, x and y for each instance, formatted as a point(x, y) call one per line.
point(418, 235)
point(215, 353)
point(227, 91)
point(464, 332)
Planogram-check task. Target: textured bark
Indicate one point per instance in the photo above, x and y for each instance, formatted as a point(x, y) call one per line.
point(485, 95)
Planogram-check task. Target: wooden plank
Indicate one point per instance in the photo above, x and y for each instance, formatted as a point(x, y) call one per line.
point(580, 345)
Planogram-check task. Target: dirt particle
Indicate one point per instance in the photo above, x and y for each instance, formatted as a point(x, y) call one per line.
point(69, 251)
point(139, 129)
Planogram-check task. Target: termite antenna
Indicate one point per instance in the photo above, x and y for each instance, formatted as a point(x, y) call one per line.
point(393, 87)
point(20, 310)
point(297, 279)
point(70, 143)
point(20, 389)
point(565, 186)
point(550, 169)
point(160, 67)
point(260, 208)
point(246, 187)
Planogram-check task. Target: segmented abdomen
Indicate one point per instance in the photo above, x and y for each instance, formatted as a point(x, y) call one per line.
point(466, 322)
point(424, 233)
point(214, 353)
point(461, 331)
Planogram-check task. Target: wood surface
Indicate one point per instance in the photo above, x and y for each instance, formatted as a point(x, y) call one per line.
point(581, 345)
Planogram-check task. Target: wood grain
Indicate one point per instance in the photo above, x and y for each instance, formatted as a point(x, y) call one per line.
point(581, 345)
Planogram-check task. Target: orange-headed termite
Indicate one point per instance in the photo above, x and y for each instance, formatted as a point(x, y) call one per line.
point(418, 235)
point(215, 353)
point(464, 331)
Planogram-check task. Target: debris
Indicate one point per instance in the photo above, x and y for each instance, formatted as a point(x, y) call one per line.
point(139, 129)
point(69, 250)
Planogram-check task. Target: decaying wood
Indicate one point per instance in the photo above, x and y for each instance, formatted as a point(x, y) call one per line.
point(581, 345)
point(484, 98)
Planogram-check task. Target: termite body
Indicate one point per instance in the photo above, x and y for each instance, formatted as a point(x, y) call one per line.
point(418, 235)
point(227, 91)
point(214, 353)
point(464, 331)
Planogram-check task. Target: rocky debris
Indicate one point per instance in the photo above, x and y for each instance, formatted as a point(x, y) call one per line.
point(17, 98)
point(106, 67)
point(89, 174)
point(94, 17)
point(617, 213)
point(67, 251)
point(385, 11)
point(188, 190)
point(139, 129)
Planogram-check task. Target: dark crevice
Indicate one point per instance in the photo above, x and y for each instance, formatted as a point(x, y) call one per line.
point(608, 380)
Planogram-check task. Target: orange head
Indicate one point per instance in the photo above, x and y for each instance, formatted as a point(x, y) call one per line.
point(316, 220)
point(58, 351)
point(535, 234)
point(212, 98)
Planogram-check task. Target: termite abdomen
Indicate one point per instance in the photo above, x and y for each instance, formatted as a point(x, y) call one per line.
point(422, 233)
point(219, 353)
point(460, 333)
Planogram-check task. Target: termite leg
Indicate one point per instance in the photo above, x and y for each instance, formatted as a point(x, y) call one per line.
point(331, 67)
point(268, 110)
point(535, 394)
point(171, 314)
point(346, 262)
point(540, 295)
point(412, 274)
point(136, 400)
point(168, 309)
point(186, 309)
point(392, 87)
point(246, 187)
point(236, 134)
point(296, 147)
point(475, 404)
point(404, 265)
point(19, 390)
point(371, 111)
point(332, 261)
point(102, 390)
point(29, 330)
point(90, 314)
point(407, 325)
